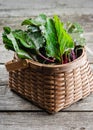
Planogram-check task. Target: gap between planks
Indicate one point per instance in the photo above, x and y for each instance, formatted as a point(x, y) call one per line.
point(29, 111)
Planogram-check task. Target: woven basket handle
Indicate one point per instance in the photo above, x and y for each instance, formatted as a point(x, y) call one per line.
point(16, 64)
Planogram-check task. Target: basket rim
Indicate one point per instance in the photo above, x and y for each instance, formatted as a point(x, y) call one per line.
point(58, 65)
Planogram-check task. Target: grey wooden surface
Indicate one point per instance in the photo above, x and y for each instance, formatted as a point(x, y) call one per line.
point(19, 114)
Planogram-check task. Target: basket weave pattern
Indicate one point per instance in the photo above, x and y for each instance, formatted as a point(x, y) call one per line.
point(53, 87)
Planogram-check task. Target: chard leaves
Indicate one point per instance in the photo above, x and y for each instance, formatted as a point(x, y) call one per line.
point(21, 53)
point(24, 43)
point(45, 39)
point(65, 41)
point(23, 39)
point(49, 32)
point(76, 31)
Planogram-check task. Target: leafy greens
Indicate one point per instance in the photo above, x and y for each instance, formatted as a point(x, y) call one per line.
point(46, 40)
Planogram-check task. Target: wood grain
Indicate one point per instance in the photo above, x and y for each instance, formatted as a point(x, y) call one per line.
point(3, 75)
point(5, 55)
point(84, 19)
point(43, 121)
point(17, 113)
point(9, 101)
point(11, 8)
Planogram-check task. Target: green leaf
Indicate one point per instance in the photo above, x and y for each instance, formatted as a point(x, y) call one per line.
point(76, 31)
point(74, 27)
point(78, 39)
point(49, 32)
point(23, 38)
point(23, 42)
point(65, 41)
point(7, 30)
point(26, 22)
point(7, 42)
point(21, 53)
point(11, 37)
point(37, 39)
point(33, 28)
point(40, 20)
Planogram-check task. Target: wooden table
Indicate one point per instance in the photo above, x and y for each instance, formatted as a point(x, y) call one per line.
point(19, 114)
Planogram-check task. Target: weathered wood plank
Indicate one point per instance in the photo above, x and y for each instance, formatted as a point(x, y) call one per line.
point(10, 101)
point(78, 11)
point(12, 8)
point(3, 75)
point(5, 55)
point(42, 121)
point(85, 20)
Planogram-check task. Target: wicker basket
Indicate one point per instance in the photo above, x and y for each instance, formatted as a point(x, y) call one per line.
point(51, 87)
